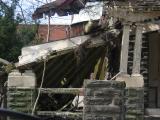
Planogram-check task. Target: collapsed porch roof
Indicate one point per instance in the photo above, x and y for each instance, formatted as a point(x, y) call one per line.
point(64, 68)
point(36, 53)
point(69, 7)
point(61, 7)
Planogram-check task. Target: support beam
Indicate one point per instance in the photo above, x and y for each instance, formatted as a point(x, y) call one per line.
point(124, 48)
point(62, 90)
point(137, 50)
point(71, 115)
point(49, 22)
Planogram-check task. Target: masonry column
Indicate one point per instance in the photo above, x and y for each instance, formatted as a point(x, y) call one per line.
point(21, 91)
point(137, 50)
point(104, 100)
point(124, 48)
point(135, 93)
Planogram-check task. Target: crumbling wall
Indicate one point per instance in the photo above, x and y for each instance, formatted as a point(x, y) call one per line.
point(111, 100)
point(104, 100)
point(134, 103)
point(21, 91)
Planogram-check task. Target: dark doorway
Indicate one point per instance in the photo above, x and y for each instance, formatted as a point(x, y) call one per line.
point(154, 70)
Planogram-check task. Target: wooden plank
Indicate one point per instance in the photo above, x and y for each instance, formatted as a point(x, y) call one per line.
point(37, 53)
point(62, 90)
point(61, 114)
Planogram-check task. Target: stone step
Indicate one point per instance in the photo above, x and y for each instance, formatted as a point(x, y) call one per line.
point(145, 77)
point(145, 57)
point(130, 62)
point(133, 41)
point(144, 47)
point(151, 117)
point(130, 59)
point(145, 72)
point(152, 114)
point(144, 68)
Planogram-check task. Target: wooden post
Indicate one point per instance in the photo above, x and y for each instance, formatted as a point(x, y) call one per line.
point(49, 22)
point(137, 50)
point(124, 49)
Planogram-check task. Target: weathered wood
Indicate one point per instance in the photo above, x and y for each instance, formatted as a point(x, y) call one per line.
point(62, 90)
point(61, 114)
point(51, 50)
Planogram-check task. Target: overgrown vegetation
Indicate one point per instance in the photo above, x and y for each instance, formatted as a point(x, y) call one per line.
point(11, 39)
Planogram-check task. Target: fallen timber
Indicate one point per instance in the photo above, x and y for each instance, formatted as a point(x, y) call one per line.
point(62, 114)
point(68, 115)
point(61, 90)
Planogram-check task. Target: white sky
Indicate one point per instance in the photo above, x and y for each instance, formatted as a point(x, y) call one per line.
point(29, 6)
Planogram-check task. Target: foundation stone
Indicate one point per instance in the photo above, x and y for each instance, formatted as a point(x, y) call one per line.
point(104, 100)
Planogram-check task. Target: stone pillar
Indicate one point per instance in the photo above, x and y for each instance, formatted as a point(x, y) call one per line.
point(21, 91)
point(137, 50)
point(104, 100)
point(134, 103)
point(124, 48)
point(135, 85)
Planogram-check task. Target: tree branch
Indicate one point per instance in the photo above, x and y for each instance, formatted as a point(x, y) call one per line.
point(3, 61)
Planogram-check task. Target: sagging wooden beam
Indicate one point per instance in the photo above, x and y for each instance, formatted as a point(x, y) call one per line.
point(61, 64)
point(60, 114)
point(62, 90)
point(80, 69)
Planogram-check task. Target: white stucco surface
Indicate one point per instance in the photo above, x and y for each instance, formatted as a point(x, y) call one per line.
point(34, 53)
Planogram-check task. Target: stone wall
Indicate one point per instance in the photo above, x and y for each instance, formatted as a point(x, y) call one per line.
point(103, 100)
point(134, 103)
point(21, 92)
point(21, 99)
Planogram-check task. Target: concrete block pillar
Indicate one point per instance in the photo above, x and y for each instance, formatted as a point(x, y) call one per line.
point(137, 50)
point(134, 103)
point(134, 94)
point(21, 91)
point(124, 48)
point(135, 84)
point(103, 100)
